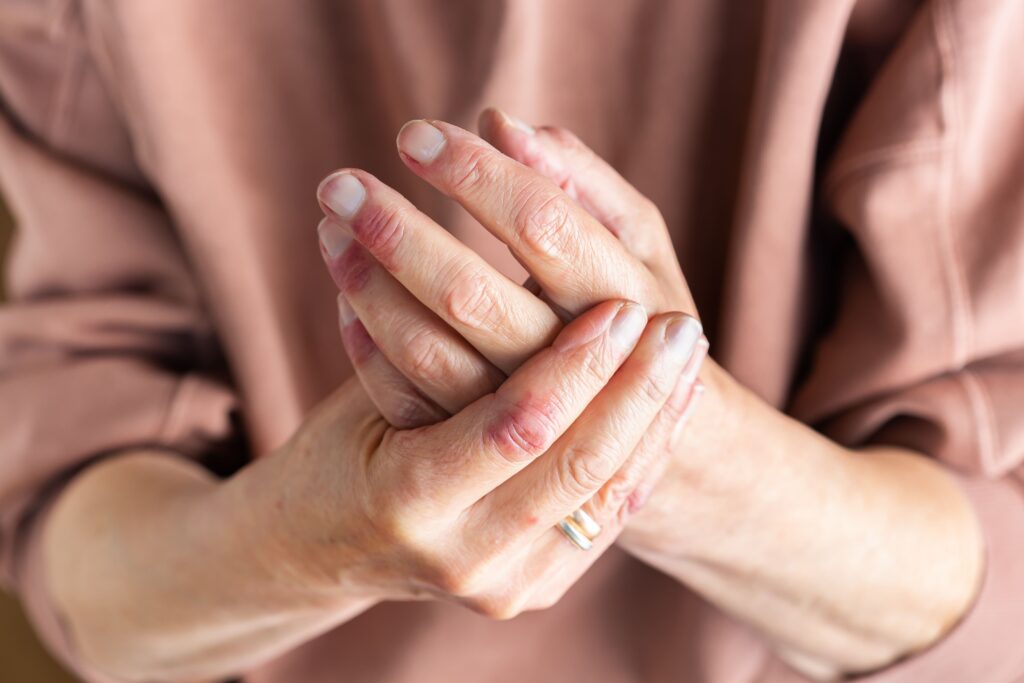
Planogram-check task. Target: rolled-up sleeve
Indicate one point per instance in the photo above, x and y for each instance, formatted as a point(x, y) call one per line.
point(104, 342)
point(927, 349)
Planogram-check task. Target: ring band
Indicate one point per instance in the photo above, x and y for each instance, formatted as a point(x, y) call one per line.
point(580, 528)
point(585, 522)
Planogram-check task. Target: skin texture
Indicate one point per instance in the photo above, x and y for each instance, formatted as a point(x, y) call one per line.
point(350, 512)
point(746, 486)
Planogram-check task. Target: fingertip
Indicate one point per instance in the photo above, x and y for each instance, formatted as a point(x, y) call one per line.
point(358, 343)
point(595, 321)
point(346, 315)
point(487, 123)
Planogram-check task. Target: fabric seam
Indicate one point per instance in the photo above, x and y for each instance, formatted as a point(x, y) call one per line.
point(948, 103)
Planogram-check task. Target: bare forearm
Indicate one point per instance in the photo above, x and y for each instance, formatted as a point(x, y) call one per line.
point(845, 560)
point(159, 571)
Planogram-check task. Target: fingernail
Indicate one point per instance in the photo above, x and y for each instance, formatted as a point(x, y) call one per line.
point(693, 365)
point(333, 238)
point(343, 194)
point(345, 312)
point(517, 123)
point(421, 141)
point(681, 337)
point(628, 325)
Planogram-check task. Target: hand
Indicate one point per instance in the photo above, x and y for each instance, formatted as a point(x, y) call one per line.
point(716, 522)
point(612, 244)
point(465, 510)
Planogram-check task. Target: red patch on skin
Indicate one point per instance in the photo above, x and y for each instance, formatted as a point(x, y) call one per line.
point(637, 499)
point(353, 268)
point(524, 430)
point(358, 342)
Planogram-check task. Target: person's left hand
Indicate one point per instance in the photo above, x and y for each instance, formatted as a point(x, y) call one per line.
point(446, 319)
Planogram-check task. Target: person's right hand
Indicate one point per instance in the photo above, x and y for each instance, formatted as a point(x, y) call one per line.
point(465, 509)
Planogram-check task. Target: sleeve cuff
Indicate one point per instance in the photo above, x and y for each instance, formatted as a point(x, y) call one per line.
point(984, 647)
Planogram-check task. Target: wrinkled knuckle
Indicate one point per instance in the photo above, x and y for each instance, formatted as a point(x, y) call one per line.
point(522, 433)
point(470, 300)
point(586, 469)
point(545, 223)
point(652, 387)
point(381, 230)
point(613, 496)
point(470, 168)
point(424, 356)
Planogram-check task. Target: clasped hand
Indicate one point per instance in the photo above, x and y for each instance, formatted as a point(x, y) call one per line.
point(491, 420)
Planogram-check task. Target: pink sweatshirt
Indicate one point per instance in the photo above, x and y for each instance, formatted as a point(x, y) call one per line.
point(845, 187)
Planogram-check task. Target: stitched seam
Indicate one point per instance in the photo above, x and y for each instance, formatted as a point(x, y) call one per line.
point(948, 102)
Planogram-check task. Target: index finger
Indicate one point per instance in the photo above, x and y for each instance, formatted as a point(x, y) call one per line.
point(574, 258)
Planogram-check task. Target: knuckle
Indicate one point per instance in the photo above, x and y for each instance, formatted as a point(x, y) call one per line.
point(497, 607)
point(545, 223)
point(424, 357)
point(391, 523)
point(381, 229)
point(471, 167)
point(470, 299)
point(456, 582)
point(411, 411)
point(586, 468)
point(652, 387)
point(523, 432)
point(613, 496)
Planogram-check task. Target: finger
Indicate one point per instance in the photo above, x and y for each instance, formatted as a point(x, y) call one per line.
point(559, 155)
point(497, 436)
point(574, 258)
point(432, 355)
point(396, 397)
point(599, 443)
point(556, 558)
point(506, 323)
point(628, 490)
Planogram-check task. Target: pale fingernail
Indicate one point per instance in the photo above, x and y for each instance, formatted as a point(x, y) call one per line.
point(628, 325)
point(333, 238)
point(517, 123)
point(345, 312)
point(693, 365)
point(421, 141)
point(681, 337)
point(343, 194)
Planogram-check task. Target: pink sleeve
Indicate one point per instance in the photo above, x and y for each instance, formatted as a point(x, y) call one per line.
point(104, 343)
point(927, 347)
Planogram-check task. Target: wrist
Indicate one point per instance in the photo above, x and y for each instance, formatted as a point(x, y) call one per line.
point(273, 547)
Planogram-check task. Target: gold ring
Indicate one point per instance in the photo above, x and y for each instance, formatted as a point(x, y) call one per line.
point(580, 528)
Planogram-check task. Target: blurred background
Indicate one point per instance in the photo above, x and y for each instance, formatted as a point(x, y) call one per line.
point(22, 658)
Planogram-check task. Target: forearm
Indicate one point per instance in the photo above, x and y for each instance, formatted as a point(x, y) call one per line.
point(845, 560)
point(161, 572)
